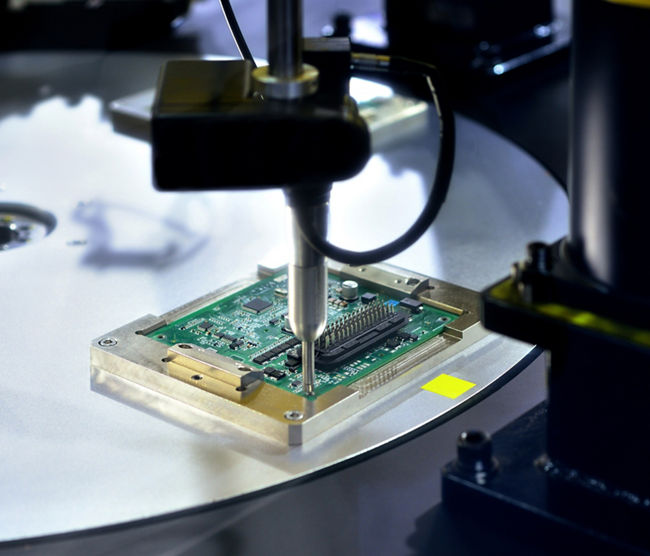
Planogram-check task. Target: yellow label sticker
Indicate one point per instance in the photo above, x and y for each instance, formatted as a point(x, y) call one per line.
point(449, 386)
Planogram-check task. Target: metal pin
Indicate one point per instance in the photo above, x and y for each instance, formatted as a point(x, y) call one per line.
point(308, 371)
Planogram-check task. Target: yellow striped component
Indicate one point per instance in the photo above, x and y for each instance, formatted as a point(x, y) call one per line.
point(507, 291)
point(448, 386)
point(633, 3)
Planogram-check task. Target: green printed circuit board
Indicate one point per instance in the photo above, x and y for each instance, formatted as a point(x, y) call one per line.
point(362, 334)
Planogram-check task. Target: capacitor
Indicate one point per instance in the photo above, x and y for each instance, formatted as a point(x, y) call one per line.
point(349, 290)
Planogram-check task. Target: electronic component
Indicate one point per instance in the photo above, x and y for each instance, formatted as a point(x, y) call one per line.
point(276, 374)
point(275, 351)
point(349, 290)
point(293, 358)
point(393, 342)
point(257, 305)
point(337, 302)
point(413, 305)
point(206, 325)
point(368, 297)
point(351, 358)
point(356, 333)
point(280, 292)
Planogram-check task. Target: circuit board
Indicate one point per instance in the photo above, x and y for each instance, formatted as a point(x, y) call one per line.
point(365, 331)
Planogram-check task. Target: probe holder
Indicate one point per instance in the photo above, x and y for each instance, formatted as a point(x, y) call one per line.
point(210, 130)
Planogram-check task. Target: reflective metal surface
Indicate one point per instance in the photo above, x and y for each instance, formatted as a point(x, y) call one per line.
point(307, 288)
point(22, 225)
point(76, 459)
point(284, 38)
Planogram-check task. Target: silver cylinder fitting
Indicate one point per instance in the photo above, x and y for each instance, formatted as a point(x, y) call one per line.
point(307, 277)
point(286, 77)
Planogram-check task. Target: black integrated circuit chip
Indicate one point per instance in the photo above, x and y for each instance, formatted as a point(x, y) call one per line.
point(236, 344)
point(257, 305)
point(277, 374)
point(413, 304)
point(275, 351)
point(206, 325)
point(393, 342)
point(293, 359)
point(368, 297)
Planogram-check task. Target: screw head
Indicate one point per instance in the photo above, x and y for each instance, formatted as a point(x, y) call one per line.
point(474, 445)
point(107, 342)
point(474, 455)
point(294, 415)
point(538, 256)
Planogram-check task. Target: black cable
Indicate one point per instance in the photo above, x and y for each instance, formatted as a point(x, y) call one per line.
point(441, 180)
point(235, 31)
point(446, 150)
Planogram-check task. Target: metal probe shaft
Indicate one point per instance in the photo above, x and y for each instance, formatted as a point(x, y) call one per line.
point(284, 28)
point(308, 368)
point(307, 288)
point(307, 270)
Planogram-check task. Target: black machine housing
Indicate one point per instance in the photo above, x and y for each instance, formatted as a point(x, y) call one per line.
point(211, 130)
point(467, 36)
point(578, 466)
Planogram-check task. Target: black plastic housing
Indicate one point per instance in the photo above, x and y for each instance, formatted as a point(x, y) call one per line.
point(209, 131)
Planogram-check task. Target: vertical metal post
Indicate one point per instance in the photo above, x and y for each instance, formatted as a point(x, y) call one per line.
point(286, 77)
point(284, 20)
point(307, 273)
point(307, 288)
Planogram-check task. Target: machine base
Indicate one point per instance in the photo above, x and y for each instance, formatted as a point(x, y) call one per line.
point(530, 498)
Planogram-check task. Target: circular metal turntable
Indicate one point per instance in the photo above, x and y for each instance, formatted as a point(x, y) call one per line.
point(77, 460)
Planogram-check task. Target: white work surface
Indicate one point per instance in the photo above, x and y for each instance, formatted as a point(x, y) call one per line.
point(73, 459)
